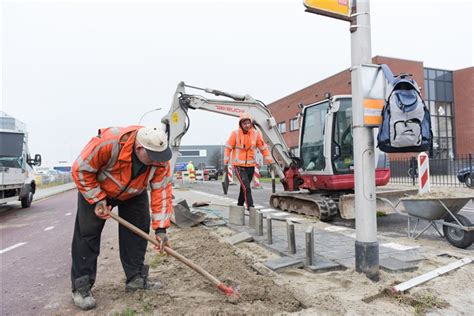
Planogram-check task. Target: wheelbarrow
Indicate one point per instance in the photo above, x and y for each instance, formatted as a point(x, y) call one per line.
point(457, 229)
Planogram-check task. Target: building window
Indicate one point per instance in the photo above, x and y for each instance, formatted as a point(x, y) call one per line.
point(282, 127)
point(295, 151)
point(193, 153)
point(439, 96)
point(294, 124)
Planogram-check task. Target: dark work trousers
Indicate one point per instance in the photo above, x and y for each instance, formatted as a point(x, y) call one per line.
point(245, 175)
point(86, 239)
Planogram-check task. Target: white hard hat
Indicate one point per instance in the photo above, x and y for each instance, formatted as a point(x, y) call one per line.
point(155, 141)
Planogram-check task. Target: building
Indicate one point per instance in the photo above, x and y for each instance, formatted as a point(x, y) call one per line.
point(201, 155)
point(449, 95)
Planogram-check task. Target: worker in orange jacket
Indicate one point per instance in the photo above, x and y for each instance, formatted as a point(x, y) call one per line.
point(241, 150)
point(114, 169)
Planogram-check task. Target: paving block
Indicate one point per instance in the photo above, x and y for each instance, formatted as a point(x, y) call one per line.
point(236, 215)
point(279, 264)
point(239, 238)
point(348, 262)
point(407, 257)
point(322, 264)
point(252, 217)
point(394, 265)
point(214, 223)
point(268, 210)
point(280, 215)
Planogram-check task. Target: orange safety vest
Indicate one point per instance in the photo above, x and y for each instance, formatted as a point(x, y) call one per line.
point(244, 148)
point(104, 169)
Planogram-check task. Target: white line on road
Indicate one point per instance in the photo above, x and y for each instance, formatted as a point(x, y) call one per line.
point(67, 214)
point(12, 247)
point(48, 228)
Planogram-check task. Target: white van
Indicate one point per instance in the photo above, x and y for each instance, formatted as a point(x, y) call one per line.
point(17, 181)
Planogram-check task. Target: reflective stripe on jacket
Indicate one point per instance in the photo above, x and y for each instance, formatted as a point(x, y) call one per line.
point(243, 148)
point(104, 169)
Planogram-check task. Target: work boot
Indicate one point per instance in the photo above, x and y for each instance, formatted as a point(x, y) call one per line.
point(83, 298)
point(141, 282)
point(82, 295)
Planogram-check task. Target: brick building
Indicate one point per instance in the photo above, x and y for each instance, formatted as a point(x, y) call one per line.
point(449, 95)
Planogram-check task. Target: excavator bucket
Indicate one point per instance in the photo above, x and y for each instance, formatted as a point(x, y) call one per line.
point(184, 217)
point(225, 182)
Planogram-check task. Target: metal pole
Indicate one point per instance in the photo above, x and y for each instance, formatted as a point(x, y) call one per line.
point(366, 245)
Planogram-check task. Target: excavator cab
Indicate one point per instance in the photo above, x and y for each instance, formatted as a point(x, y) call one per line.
point(326, 146)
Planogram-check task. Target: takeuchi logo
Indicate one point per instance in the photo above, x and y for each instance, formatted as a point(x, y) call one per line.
point(229, 109)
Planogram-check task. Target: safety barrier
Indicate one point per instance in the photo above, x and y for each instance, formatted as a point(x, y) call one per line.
point(256, 179)
point(230, 174)
point(192, 176)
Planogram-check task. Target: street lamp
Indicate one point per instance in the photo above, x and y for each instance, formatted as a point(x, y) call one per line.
point(141, 118)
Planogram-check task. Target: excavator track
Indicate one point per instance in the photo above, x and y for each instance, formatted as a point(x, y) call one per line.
point(322, 207)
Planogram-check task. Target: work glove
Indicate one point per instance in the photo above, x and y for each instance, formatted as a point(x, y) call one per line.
point(102, 210)
point(162, 238)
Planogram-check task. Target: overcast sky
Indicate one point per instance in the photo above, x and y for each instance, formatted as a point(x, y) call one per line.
point(71, 67)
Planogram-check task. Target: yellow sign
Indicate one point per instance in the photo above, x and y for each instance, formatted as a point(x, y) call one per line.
point(175, 117)
point(339, 9)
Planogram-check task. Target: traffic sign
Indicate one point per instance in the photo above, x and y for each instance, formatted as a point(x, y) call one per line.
point(339, 9)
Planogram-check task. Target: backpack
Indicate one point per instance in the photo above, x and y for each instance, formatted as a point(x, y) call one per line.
point(406, 122)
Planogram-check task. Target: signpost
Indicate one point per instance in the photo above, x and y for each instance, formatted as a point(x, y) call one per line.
point(363, 108)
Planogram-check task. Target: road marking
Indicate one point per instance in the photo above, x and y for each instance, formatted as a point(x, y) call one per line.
point(48, 228)
point(12, 247)
point(67, 214)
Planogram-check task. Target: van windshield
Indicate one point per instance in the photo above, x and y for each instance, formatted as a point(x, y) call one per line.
point(11, 144)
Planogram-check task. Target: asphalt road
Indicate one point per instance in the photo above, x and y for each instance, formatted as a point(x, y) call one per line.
point(392, 224)
point(35, 248)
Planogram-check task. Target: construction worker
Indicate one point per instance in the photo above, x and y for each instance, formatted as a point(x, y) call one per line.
point(191, 172)
point(242, 145)
point(114, 169)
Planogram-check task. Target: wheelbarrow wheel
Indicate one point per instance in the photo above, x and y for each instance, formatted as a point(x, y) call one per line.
point(468, 181)
point(456, 236)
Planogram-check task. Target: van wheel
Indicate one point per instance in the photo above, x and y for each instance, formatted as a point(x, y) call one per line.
point(26, 201)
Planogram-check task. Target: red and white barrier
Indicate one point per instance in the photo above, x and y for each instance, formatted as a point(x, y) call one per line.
point(230, 174)
point(256, 179)
point(178, 176)
point(424, 185)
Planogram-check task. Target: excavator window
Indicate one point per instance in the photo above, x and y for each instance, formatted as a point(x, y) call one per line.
point(312, 139)
point(343, 159)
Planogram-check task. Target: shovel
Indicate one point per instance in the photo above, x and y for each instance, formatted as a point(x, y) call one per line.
point(227, 290)
point(225, 181)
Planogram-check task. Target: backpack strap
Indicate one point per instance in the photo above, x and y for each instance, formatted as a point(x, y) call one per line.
point(388, 73)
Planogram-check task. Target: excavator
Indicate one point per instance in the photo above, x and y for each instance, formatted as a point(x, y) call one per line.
point(320, 182)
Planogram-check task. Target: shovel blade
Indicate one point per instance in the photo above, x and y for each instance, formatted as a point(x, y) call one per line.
point(183, 217)
point(225, 183)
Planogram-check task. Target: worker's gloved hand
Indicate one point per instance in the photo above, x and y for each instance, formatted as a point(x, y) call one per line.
point(162, 239)
point(102, 210)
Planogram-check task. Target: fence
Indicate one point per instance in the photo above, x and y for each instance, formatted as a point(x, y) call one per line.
point(48, 179)
point(443, 172)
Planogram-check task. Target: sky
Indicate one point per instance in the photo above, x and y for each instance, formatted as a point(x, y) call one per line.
point(71, 67)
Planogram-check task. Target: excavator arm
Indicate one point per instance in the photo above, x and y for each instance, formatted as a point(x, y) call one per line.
point(177, 124)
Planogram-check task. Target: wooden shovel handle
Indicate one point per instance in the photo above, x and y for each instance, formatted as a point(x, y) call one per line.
point(168, 250)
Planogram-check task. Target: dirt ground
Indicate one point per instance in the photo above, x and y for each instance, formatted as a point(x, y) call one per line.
point(293, 292)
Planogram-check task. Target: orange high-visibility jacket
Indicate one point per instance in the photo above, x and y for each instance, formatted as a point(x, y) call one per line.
point(244, 148)
point(104, 169)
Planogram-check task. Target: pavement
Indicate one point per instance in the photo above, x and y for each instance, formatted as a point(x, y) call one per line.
point(42, 193)
point(333, 245)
